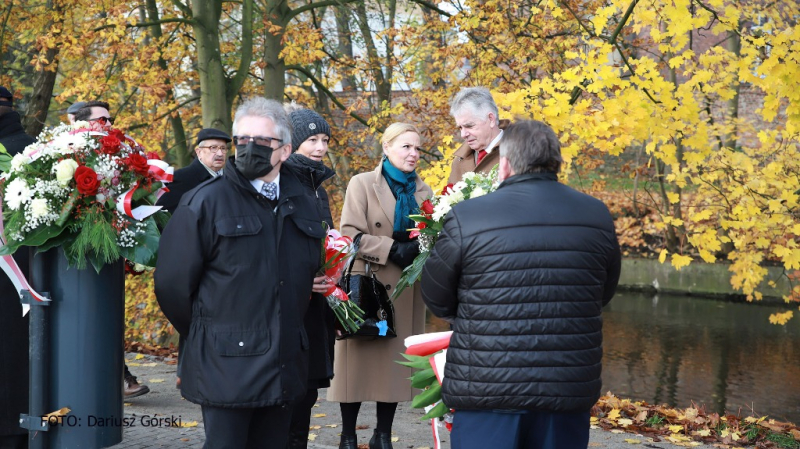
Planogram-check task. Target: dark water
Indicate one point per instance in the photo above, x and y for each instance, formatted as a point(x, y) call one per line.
point(677, 349)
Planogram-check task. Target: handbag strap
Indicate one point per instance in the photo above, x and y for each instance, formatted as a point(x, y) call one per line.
point(356, 244)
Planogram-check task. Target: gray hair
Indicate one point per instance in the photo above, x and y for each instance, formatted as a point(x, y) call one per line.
point(531, 147)
point(477, 99)
point(271, 109)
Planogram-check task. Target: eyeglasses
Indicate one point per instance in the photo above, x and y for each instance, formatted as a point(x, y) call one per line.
point(103, 120)
point(259, 140)
point(216, 149)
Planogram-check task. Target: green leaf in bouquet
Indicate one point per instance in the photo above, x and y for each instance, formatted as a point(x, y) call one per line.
point(144, 191)
point(145, 251)
point(437, 411)
point(422, 378)
point(415, 361)
point(5, 159)
point(40, 236)
point(410, 274)
point(96, 239)
point(427, 397)
point(58, 240)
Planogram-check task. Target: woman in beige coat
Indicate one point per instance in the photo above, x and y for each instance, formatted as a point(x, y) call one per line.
point(377, 204)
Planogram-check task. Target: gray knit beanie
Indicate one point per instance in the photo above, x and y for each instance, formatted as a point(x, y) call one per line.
point(305, 123)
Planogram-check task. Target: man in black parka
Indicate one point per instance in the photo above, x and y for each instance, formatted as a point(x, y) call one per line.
point(211, 149)
point(523, 274)
point(236, 267)
point(14, 344)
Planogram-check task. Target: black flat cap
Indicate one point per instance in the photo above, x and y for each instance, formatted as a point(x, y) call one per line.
point(75, 107)
point(212, 133)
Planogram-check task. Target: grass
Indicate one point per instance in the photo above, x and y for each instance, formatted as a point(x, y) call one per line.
point(783, 440)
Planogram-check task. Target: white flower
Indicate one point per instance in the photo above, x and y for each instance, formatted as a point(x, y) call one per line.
point(468, 175)
point(64, 171)
point(39, 208)
point(70, 143)
point(17, 193)
point(459, 186)
point(455, 197)
point(440, 210)
point(477, 191)
point(18, 161)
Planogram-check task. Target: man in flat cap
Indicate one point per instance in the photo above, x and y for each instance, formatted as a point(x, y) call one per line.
point(212, 152)
point(74, 107)
point(14, 344)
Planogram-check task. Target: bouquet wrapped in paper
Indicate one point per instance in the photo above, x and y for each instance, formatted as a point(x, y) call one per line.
point(337, 252)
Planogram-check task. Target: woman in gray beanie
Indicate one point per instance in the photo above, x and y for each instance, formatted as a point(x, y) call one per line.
point(310, 136)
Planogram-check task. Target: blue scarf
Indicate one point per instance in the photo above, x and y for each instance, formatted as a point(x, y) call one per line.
point(403, 186)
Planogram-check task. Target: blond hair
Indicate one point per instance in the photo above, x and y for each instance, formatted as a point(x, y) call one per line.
point(396, 129)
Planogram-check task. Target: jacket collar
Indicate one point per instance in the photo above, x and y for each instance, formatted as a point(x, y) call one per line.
point(309, 172)
point(516, 179)
point(10, 124)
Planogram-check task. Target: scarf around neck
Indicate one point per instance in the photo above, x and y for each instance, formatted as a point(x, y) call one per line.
point(403, 186)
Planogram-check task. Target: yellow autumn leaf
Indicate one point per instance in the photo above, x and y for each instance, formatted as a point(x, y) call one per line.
point(675, 428)
point(319, 415)
point(139, 357)
point(624, 422)
point(189, 424)
point(679, 261)
point(662, 256)
point(156, 381)
point(703, 432)
point(613, 415)
point(632, 441)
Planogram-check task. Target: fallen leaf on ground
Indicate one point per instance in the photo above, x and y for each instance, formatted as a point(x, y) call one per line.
point(319, 415)
point(395, 439)
point(134, 364)
point(149, 364)
point(312, 436)
point(314, 427)
point(156, 381)
point(332, 425)
point(126, 404)
point(632, 441)
point(189, 424)
point(139, 356)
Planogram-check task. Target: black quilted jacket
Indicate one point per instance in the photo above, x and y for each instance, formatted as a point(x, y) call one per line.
point(523, 273)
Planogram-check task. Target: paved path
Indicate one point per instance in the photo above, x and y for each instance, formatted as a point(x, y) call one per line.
point(165, 403)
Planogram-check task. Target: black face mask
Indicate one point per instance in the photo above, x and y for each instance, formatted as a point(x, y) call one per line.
point(253, 160)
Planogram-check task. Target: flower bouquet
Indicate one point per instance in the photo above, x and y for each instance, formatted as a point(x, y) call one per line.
point(431, 219)
point(337, 250)
point(427, 354)
point(90, 192)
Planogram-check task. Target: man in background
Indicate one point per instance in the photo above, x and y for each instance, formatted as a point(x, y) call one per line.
point(523, 274)
point(476, 116)
point(14, 344)
point(96, 113)
point(72, 109)
point(211, 149)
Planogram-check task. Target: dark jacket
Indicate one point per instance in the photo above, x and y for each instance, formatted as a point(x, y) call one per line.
point(14, 344)
point(234, 277)
point(525, 271)
point(12, 135)
point(184, 180)
point(319, 320)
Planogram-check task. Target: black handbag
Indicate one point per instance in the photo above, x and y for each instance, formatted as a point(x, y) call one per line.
point(371, 296)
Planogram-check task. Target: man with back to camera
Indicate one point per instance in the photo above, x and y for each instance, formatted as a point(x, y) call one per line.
point(14, 344)
point(236, 267)
point(477, 119)
point(523, 274)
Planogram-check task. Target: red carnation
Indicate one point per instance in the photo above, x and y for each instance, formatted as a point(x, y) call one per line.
point(446, 188)
point(87, 181)
point(137, 163)
point(109, 144)
point(427, 207)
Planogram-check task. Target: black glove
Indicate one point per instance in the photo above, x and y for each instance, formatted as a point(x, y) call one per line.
point(403, 253)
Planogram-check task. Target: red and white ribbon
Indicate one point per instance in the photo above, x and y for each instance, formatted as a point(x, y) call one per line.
point(160, 171)
point(12, 270)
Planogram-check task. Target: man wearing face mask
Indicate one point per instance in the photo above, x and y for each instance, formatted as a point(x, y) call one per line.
point(237, 264)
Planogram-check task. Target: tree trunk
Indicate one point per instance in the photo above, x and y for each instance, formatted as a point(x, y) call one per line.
point(345, 43)
point(179, 152)
point(44, 79)
point(213, 98)
point(277, 11)
point(733, 44)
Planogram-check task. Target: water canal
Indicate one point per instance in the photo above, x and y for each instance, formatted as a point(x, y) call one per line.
point(676, 350)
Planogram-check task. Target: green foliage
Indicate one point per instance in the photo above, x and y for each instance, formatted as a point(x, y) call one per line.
point(783, 440)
